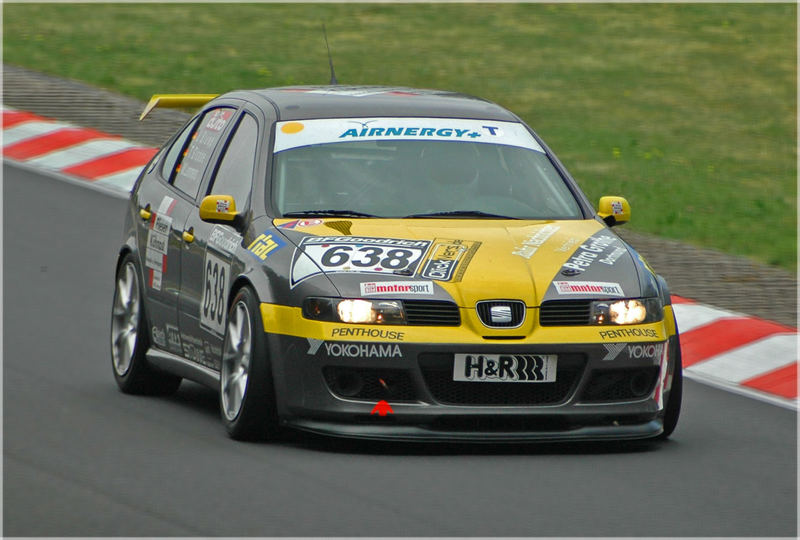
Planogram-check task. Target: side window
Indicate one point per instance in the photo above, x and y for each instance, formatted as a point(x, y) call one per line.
point(192, 162)
point(235, 173)
point(168, 168)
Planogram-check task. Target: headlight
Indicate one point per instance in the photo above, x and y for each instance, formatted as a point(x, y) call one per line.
point(628, 311)
point(354, 310)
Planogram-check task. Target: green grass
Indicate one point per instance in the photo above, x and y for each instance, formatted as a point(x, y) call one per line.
point(688, 110)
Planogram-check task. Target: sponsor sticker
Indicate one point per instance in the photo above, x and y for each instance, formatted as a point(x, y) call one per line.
point(531, 244)
point(612, 257)
point(362, 350)
point(334, 254)
point(159, 337)
point(173, 338)
point(448, 259)
point(616, 208)
point(378, 333)
point(522, 368)
point(618, 333)
point(588, 253)
point(588, 287)
point(647, 350)
point(223, 205)
point(265, 244)
point(395, 288)
point(300, 223)
point(224, 240)
point(613, 350)
point(330, 130)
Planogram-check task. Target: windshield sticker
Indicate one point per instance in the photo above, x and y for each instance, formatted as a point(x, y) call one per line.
point(332, 130)
point(531, 244)
point(333, 254)
point(396, 288)
point(449, 259)
point(588, 287)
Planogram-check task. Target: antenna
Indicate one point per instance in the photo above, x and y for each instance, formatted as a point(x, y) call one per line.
point(330, 58)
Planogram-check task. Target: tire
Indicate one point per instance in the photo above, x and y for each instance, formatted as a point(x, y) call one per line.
point(130, 338)
point(673, 409)
point(246, 390)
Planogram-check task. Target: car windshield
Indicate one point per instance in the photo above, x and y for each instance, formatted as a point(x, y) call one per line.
point(416, 168)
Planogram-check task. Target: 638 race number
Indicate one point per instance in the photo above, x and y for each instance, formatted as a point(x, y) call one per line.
point(215, 288)
point(352, 254)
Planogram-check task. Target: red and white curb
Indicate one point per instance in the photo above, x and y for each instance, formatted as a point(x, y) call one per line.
point(728, 350)
point(737, 352)
point(93, 156)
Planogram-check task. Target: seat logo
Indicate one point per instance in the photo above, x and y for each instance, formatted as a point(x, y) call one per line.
point(500, 314)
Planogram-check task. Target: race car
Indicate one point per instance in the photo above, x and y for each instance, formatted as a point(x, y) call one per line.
point(387, 263)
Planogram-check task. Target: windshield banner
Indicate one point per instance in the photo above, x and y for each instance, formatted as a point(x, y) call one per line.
point(295, 134)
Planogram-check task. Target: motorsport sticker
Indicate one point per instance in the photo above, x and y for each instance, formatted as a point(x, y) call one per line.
point(588, 253)
point(448, 259)
point(588, 287)
point(331, 130)
point(334, 254)
point(616, 208)
point(265, 244)
point(299, 223)
point(535, 241)
point(395, 288)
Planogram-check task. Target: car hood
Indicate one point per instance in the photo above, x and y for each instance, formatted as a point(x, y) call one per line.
point(467, 260)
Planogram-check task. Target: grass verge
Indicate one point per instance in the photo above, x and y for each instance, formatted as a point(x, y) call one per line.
point(688, 110)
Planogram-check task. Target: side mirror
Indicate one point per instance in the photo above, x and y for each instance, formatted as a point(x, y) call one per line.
point(614, 210)
point(220, 209)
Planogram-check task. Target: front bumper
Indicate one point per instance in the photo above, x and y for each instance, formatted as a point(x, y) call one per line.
point(600, 393)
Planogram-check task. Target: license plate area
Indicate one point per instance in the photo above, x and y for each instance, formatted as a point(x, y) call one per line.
point(521, 368)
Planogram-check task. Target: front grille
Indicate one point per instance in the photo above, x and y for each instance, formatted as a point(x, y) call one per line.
point(565, 313)
point(365, 383)
point(620, 384)
point(437, 370)
point(431, 313)
point(514, 308)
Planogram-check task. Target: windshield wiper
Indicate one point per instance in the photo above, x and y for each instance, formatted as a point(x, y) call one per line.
point(461, 213)
point(322, 213)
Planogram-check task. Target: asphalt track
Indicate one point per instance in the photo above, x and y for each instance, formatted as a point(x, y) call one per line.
point(80, 458)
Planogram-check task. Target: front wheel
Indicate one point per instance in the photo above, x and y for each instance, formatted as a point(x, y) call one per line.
point(247, 396)
point(129, 338)
point(673, 408)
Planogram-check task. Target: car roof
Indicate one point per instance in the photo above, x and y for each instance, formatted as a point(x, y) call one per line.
point(307, 102)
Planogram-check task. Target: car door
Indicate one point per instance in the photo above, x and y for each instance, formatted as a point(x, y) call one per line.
point(162, 212)
point(208, 262)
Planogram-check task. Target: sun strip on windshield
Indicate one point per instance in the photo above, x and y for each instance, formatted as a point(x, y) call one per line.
point(295, 134)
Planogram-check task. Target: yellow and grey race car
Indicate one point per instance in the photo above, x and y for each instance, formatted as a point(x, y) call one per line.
point(388, 263)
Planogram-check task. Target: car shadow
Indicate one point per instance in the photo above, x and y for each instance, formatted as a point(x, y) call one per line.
point(321, 443)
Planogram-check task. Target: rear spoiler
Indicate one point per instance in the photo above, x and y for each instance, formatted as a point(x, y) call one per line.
point(176, 101)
